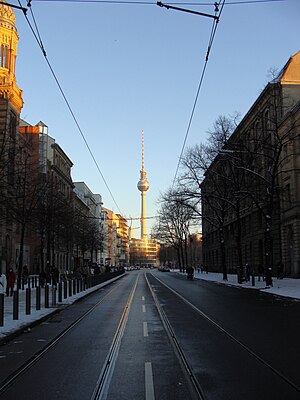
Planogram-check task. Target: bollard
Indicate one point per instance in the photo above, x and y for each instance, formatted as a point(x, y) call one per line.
point(70, 287)
point(60, 292)
point(28, 301)
point(53, 303)
point(78, 285)
point(74, 286)
point(35, 281)
point(16, 305)
point(47, 296)
point(65, 289)
point(28, 282)
point(38, 298)
point(22, 283)
point(2, 309)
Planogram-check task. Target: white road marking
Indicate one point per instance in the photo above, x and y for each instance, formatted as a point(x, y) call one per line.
point(145, 329)
point(149, 388)
point(143, 298)
point(144, 308)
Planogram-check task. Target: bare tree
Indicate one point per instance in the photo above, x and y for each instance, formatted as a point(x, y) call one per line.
point(173, 227)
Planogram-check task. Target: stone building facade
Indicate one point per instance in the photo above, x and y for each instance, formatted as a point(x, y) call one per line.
point(253, 182)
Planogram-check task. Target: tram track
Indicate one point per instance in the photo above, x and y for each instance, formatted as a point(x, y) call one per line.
point(195, 387)
point(102, 385)
point(219, 328)
point(105, 373)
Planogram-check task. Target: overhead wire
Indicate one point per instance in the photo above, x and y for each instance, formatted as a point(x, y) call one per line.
point(39, 41)
point(152, 3)
point(211, 39)
point(212, 35)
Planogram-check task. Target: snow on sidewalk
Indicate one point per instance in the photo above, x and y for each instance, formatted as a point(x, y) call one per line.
point(286, 287)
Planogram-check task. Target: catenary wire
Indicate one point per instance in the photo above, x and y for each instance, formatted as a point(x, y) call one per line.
point(211, 39)
point(152, 3)
point(39, 41)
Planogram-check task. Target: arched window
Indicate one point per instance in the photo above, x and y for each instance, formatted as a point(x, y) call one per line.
point(4, 56)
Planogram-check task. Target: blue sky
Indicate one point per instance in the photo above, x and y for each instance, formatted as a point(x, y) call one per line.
point(125, 68)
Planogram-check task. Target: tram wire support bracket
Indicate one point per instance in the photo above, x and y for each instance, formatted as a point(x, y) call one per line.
point(167, 6)
point(14, 6)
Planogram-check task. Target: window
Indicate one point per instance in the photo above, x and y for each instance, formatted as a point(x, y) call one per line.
point(4, 57)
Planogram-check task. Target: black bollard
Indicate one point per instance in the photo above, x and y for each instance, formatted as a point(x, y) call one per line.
point(253, 278)
point(28, 301)
point(2, 309)
point(70, 287)
point(53, 303)
point(65, 289)
point(78, 285)
point(47, 296)
point(74, 286)
point(60, 292)
point(38, 298)
point(16, 305)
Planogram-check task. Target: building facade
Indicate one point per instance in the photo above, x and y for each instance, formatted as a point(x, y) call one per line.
point(250, 191)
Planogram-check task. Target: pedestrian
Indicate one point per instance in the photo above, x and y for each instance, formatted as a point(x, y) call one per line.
point(25, 274)
point(192, 270)
point(42, 279)
point(269, 281)
point(3, 283)
point(247, 272)
point(279, 270)
point(187, 272)
point(54, 276)
point(11, 279)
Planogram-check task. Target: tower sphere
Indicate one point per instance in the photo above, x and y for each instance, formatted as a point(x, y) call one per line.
point(143, 185)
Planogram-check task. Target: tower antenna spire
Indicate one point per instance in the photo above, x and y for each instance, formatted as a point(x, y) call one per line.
point(143, 154)
point(143, 186)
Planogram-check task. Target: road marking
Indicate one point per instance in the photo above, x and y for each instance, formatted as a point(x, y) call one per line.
point(143, 298)
point(145, 329)
point(143, 308)
point(149, 382)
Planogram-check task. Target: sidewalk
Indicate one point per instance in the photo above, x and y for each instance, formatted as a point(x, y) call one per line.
point(12, 327)
point(286, 287)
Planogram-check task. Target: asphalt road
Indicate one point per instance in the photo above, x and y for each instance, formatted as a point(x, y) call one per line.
point(241, 336)
point(238, 344)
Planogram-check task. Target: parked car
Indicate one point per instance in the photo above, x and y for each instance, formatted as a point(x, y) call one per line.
point(164, 268)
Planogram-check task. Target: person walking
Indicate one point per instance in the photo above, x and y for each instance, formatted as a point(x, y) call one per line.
point(3, 283)
point(54, 276)
point(11, 279)
point(25, 274)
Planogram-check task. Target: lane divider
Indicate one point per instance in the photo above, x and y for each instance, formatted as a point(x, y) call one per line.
point(149, 388)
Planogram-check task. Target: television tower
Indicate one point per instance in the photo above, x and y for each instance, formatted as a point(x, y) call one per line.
point(143, 186)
